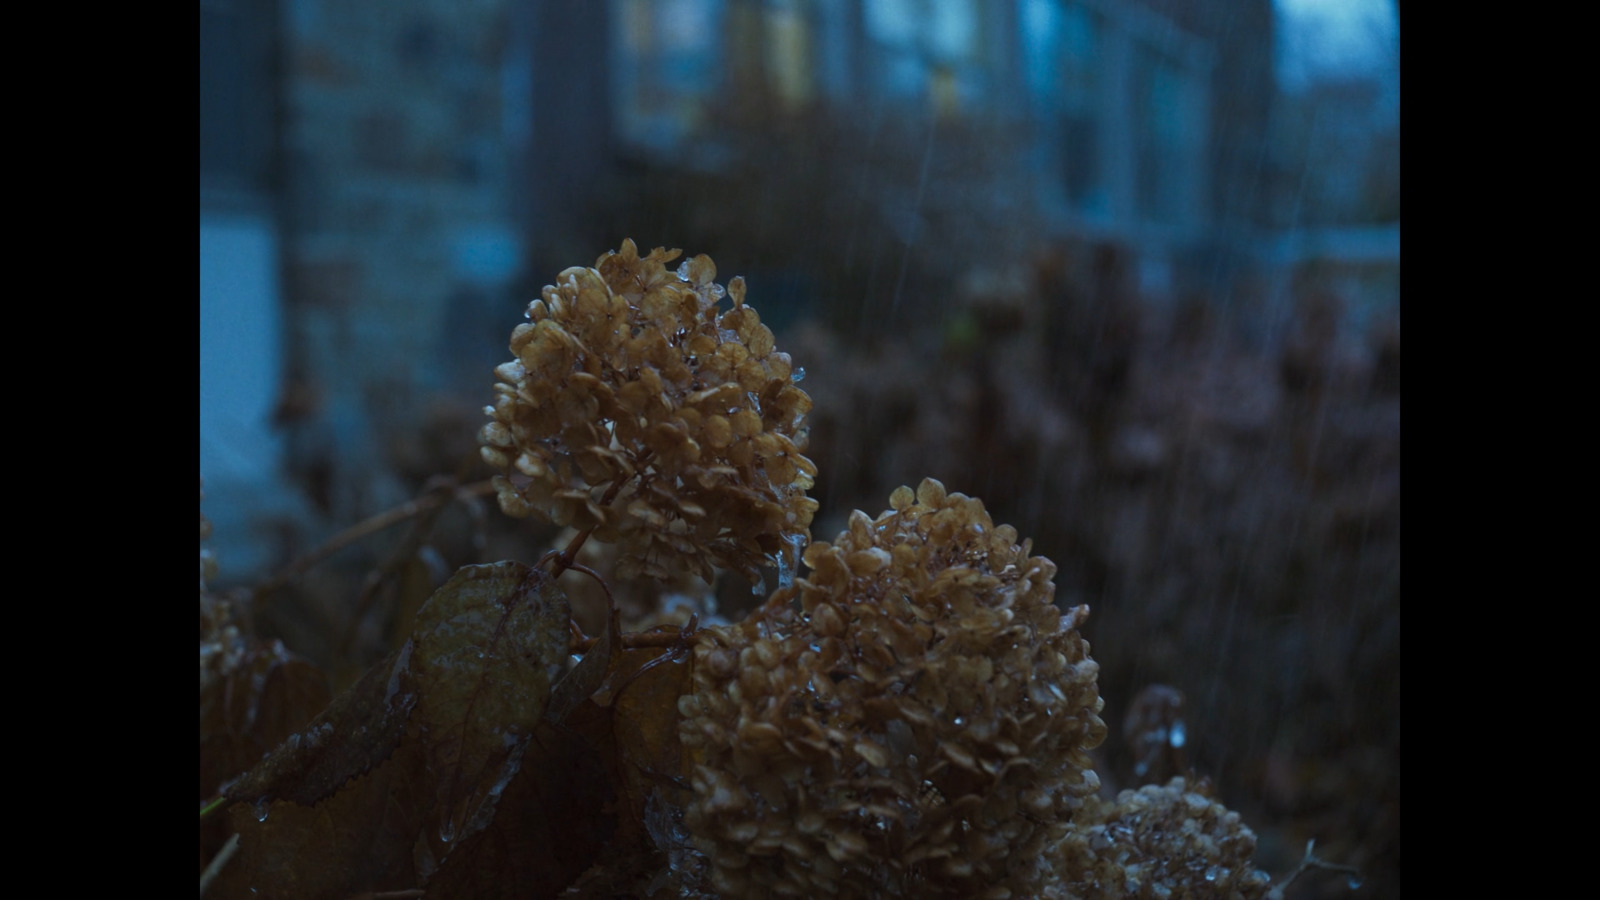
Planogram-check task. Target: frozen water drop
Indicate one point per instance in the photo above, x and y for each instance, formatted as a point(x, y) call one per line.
point(785, 570)
point(798, 374)
point(1355, 883)
point(447, 831)
point(1215, 872)
point(789, 559)
point(262, 805)
point(1178, 735)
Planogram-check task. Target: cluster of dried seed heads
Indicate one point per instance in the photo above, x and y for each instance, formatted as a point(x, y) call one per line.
point(911, 719)
point(1161, 842)
point(630, 383)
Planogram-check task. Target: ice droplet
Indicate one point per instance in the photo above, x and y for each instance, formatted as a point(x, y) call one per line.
point(785, 570)
point(1178, 735)
point(798, 374)
point(789, 559)
point(447, 831)
point(1355, 883)
point(1215, 872)
point(262, 805)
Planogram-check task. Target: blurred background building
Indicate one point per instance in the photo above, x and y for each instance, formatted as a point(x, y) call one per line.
point(383, 185)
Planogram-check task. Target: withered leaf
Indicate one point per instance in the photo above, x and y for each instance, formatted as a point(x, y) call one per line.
point(270, 696)
point(639, 699)
point(355, 733)
point(645, 723)
point(358, 840)
point(246, 713)
point(588, 675)
point(485, 644)
point(552, 823)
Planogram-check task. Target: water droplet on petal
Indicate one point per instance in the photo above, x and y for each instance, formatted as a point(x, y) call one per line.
point(798, 374)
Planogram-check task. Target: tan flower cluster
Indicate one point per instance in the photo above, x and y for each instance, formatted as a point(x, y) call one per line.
point(917, 725)
point(1161, 842)
point(629, 379)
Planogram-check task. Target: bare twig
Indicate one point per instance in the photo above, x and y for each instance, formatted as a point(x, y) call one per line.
point(217, 862)
point(433, 502)
point(366, 528)
point(565, 559)
point(1312, 861)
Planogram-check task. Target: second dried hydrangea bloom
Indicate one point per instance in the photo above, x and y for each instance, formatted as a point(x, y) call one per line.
point(1161, 842)
point(628, 374)
point(918, 724)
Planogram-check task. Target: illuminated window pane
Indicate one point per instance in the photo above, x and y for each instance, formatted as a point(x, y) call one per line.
point(666, 66)
point(789, 55)
point(1062, 50)
point(1162, 122)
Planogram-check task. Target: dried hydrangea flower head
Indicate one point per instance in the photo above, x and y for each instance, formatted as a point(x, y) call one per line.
point(628, 378)
point(1162, 842)
point(911, 719)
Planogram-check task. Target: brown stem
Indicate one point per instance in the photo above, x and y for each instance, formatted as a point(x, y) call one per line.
point(578, 639)
point(640, 640)
point(565, 559)
point(634, 640)
point(366, 528)
point(217, 862)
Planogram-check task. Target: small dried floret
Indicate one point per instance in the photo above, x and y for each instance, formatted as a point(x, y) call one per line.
point(913, 718)
point(628, 378)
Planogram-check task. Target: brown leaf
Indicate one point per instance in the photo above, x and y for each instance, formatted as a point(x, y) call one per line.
point(354, 734)
point(485, 643)
point(246, 713)
point(641, 696)
point(360, 839)
point(588, 675)
point(552, 823)
point(270, 696)
point(645, 721)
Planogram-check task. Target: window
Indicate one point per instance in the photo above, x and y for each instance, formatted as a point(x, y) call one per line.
point(1064, 60)
point(927, 50)
point(236, 96)
point(666, 67)
point(1166, 129)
